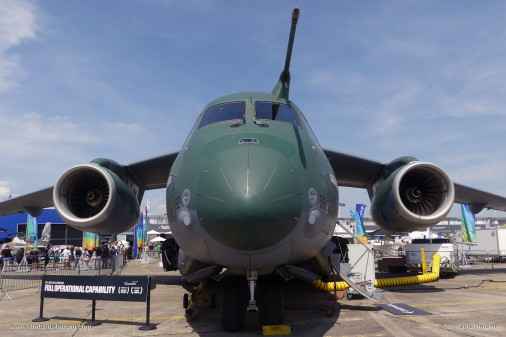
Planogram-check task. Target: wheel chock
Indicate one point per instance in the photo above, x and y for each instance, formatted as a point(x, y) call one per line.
point(270, 330)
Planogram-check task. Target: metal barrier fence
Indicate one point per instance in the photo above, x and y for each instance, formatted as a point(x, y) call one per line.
point(24, 275)
point(150, 256)
point(388, 250)
point(496, 256)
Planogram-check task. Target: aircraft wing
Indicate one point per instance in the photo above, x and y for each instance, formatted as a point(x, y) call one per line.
point(353, 171)
point(151, 173)
point(28, 203)
point(478, 199)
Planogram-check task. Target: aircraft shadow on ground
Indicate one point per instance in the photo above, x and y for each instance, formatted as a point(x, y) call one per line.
point(306, 310)
point(166, 279)
point(420, 288)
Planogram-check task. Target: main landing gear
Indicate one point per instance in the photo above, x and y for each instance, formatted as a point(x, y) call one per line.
point(191, 299)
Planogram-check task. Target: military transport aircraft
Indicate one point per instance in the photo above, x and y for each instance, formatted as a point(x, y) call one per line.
point(252, 191)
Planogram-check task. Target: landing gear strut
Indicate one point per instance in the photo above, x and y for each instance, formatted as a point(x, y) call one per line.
point(190, 300)
point(252, 276)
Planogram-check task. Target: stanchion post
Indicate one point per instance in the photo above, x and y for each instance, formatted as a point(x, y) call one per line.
point(41, 317)
point(148, 306)
point(93, 307)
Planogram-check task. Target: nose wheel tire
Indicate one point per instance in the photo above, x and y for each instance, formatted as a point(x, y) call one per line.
point(271, 303)
point(186, 301)
point(233, 308)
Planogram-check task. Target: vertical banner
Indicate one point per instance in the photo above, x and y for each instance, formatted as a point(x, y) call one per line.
point(468, 224)
point(90, 240)
point(359, 222)
point(45, 237)
point(138, 236)
point(31, 232)
point(145, 228)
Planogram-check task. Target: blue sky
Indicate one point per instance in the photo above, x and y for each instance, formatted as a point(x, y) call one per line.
point(126, 80)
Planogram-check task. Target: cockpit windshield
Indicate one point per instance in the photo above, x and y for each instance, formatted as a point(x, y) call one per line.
point(223, 112)
point(277, 112)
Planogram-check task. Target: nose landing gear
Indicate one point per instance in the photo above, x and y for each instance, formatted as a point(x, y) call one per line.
point(266, 299)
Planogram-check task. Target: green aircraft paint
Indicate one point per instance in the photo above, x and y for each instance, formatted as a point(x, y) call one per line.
point(249, 178)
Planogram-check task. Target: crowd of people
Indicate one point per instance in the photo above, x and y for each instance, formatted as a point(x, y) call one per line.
point(62, 257)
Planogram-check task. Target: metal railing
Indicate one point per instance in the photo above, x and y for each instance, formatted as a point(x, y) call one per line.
point(150, 256)
point(28, 274)
point(485, 256)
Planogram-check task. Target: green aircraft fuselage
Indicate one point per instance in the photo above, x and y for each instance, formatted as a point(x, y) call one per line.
point(251, 178)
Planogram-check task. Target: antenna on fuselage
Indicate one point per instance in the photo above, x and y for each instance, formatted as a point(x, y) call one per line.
point(282, 88)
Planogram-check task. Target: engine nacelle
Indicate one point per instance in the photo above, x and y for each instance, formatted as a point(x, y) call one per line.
point(415, 196)
point(92, 198)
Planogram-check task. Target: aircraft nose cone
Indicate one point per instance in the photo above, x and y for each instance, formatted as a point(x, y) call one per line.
point(247, 205)
point(248, 197)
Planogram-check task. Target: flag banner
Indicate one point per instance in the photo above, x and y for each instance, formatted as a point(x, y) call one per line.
point(90, 241)
point(468, 224)
point(145, 228)
point(31, 232)
point(45, 237)
point(138, 235)
point(359, 222)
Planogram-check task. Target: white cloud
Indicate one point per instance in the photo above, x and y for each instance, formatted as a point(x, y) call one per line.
point(32, 136)
point(17, 23)
point(5, 190)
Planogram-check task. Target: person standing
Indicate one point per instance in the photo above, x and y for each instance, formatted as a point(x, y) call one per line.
point(105, 255)
point(34, 258)
point(47, 255)
point(19, 255)
point(77, 254)
point(7, 256)
point(66, 257)
point(56, 257)
point(98, 256)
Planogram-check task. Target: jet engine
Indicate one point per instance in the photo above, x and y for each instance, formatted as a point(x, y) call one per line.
point(93, 198)
point(415, 196)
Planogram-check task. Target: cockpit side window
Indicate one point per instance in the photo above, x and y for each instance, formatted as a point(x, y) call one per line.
point(277, 112)
point(223, 112)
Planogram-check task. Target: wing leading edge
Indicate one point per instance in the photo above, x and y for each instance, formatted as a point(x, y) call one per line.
point(353, 171)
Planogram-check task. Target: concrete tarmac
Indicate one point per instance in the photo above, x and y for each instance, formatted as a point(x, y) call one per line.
point(471, 304)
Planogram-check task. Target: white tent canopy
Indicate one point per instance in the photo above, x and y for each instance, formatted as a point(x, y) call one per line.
point(153, 232)
point(157, 239)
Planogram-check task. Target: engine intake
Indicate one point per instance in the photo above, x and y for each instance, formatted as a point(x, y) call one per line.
point(92, 198)
point(415, 196)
